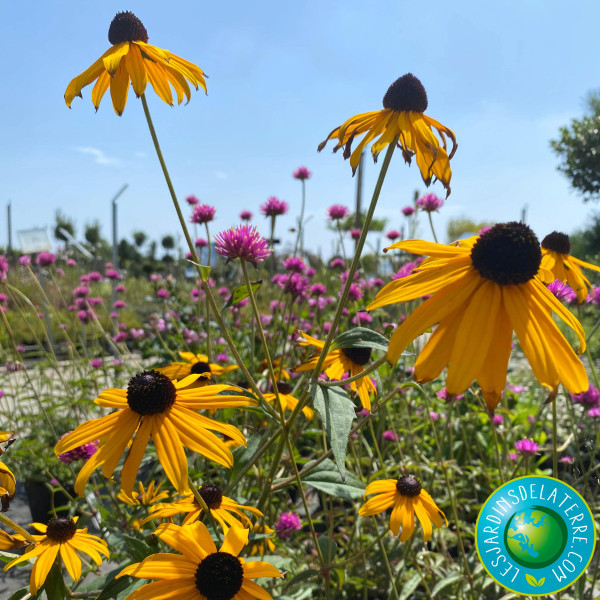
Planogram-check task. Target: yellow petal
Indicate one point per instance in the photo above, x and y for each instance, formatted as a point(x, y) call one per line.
point(135, 67)
point(170, 452)
point(119, 87)
point(112, 59)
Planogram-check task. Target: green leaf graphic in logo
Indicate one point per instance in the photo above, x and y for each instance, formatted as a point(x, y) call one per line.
point(531, 580)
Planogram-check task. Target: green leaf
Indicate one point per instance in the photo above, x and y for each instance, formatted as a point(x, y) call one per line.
point(303, 576)
point(337, 413)
point(115, 586)
point(360, 337)
point(20, 594)
point(531, 580)
point(242, 456)
point(6, 557)
point(447, 581)
point(326, 478)
point(410, 586)
point(54, 586)
point(138, 549)
point(241, 292)
point(328, 548)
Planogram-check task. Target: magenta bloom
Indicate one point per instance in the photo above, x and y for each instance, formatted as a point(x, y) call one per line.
point(443, 395)
point(287, 523)
point(201, 243)
point(362, 318)
point(295, 284)
point(589, 398)
point(354, 293)
point(112, 274)
point(407, 211)
point(162, 293)
point(526, 447)
point(337, 263)
point(274, 207)
point(119, 304)
point(294, 264)
point(498, 419)
point(25, 259)
point(246, 215)
point(430, 203)
point(80, 453)
point(3, 299)
point(355, 234)
point(243, 241)
point(70, 262)
point(94, 276)
point(155, 277)
point(390, 436)
point(337, 212)
point(3, 267)
point(203, 213)
point(302, 173)
point(45, 259)
point(318, 289)
point(81, 291)
point(393, 235)
point(192, 200)
point(594, 413)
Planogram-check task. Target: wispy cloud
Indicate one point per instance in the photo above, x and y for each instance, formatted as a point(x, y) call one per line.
point(99, 157)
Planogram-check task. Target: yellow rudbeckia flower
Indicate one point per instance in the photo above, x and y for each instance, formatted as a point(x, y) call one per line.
point(132, 59)
point(484, 288)
point(401, 119)
point(194, 364)
point(566, 268)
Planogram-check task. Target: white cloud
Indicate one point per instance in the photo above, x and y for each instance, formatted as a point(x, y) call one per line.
point(99, 157)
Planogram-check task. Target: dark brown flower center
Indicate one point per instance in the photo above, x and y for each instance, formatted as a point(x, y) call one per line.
point(406, 93)
point(212, 495)
point(61, 530)
point(150, 393)
point(284, 388)
point(126, 27)
point(219, 576)
point(199, 368)
point(408, 485)
point(508, 253)
point(557, 242)
point(360, 356)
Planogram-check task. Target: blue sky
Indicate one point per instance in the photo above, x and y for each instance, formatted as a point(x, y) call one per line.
point(503, 75)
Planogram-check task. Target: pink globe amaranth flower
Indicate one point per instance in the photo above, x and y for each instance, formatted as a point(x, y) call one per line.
point(201, 243)
point(362, 318)
point(120, 337)
point(526, 447)
point(302, 173)
point(119, 304)
point(222, 357)
point(513, 456)
point(344, 276)
point(337, 263)
point(80, 453)
point(274, 207)
point(45, 259)
point(120, 288)
point(81, 291)
point(394, 234)
point(71, 262)
point(190, 256)
point(310, 272)
point(443, 395)
point(114, 314)
point(94, 276)
point(355, 234)
point(317, 289)
point(192, 200)
point(242, 242)
point(484, 229)
point(60, 271)
point(136, 334)
point(337, 212)
point(246, 215)
point(434, 415)
point(223, 291)
point(94, 301)
point(294, 264)
point(155, 277)
point(430, 202)
point(589, 399)
point(287, 523)
point(498, 419)
point(594, 413)
point(516, 389)
point(295, 284)
point(203, 213)
point(84, 279)
point(567, 460)
point(196, 294)
point(162, 293)
point(25, 259)
point(407, 211)
point(354, 293)
point(560, 290)
point(112, 274)
point(96, 363)
point(390, 436)
point(3, 298)
point(406, 269)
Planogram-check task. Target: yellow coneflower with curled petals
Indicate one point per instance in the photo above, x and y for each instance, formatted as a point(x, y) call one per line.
point(60, 537)
point(132, 59)
point(556, 258)
point(155, 407)
point(143, 497)
point(286, 400)
point(8, 486)
point(408, 499)
point(200, 572)
point(194, 364)
point(401, 119)
point(226, 511)
point(483, 288)
point(338, 362)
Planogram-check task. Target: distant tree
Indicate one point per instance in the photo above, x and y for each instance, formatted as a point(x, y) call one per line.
point(458, 228)
point(92, 233)
point(351, 222)
point(128, 253)
point(579, 148)
point(63, 222)
point(585, 244)
point(139, 238)
point(168, 242)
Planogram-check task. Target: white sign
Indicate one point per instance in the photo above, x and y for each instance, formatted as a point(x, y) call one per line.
point(34, 240)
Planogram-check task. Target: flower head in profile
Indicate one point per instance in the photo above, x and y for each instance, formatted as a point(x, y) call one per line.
point(340, 361)
point(274, 207)
point(8, 484)
point(484, 288)
point(194, 364)
point(408, 211)
point(526, 447)
point(202, 213)
point(242, 241)
point(430, 203)
point(403, 122)
point(337, 212)
point(192, 200)
point(408, 499)
point(392, 235)
point(589, 399)
point(226, 511)
point(566, 268)
point(355, 234)
point(155, 407)
point(287, 523)
point(246, 215)
point(45, 259)
point(132, 59)
point(302, 173)
point(60, 536)
point(144, 496)
point(286, 400)
point(200, 571)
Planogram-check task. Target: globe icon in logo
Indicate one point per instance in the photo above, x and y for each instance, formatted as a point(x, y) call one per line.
point(535, 536)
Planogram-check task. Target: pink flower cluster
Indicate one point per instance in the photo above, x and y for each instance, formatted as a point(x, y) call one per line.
point(80, 453)
point(203, 213)
point(244, 242)
point(274, 207)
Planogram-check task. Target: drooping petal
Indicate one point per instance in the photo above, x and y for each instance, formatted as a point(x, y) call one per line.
point(112, 59)
point(119, 88)
point(170, 452)
point(87, 432)
point(235, 540)
point(135, 455)
point(42, 566)
point(193, 539)
point(136, 69)
point(162, 566)
point(71, 561)
point(100, 89)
